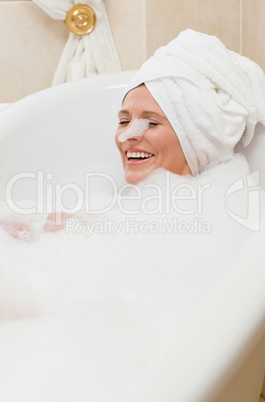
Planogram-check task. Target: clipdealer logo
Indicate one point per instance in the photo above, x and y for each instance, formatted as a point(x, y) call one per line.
point(133, 226)
point(151, 198)
point(252, 219)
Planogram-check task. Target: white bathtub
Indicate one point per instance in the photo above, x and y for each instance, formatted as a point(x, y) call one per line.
point(220, 357)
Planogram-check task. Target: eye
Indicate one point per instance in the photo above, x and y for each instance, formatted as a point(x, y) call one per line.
point(152, 123)
point(123, 122)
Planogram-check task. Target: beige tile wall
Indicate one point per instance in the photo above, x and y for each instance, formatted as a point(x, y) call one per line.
point(31, 42)
point(30, 46)
point(253, 35)
point(127, 21)
point(165, 19)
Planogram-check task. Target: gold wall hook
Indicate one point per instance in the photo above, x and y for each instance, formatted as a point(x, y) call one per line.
point(81, 19)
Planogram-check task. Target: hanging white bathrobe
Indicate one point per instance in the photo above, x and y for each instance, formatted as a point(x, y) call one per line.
point(83, 55)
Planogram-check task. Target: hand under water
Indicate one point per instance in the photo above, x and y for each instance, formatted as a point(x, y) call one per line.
point(54, 222)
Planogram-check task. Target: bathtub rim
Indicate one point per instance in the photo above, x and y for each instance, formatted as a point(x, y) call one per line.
point(96, 82)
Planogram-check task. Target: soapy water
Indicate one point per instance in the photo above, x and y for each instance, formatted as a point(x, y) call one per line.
point(137, 129)
point(122, 252)
point(100, 307)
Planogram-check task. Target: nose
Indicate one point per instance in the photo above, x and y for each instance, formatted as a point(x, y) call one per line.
point(135, 138)
point(135, 131)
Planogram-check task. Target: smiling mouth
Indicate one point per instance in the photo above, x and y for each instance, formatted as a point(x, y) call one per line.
point(138, 156)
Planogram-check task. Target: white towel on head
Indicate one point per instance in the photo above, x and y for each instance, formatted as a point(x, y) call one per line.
point(212, 96)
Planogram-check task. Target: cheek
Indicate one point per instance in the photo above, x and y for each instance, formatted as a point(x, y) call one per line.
point(164, 142)
point(118, 145)
point(117, 142)
point(175, 152)
point(170, 154)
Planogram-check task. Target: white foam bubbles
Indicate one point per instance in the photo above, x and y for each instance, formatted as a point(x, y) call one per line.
point(126, 252)
point(105, 305)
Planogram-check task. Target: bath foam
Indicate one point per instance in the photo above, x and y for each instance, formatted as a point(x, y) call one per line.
point(125, 248)
point(137, 129)
point(155, 282)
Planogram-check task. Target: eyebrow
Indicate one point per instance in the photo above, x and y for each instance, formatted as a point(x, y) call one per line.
point(123, 111)
point(145, 113)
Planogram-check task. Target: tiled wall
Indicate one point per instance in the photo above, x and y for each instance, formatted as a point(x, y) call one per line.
point(165, 19)
point(31, 42)
point(30, 47)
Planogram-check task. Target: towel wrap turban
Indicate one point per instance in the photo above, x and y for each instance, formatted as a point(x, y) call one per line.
point(211, 96)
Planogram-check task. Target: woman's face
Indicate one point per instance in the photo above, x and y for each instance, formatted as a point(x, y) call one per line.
point(159, 139)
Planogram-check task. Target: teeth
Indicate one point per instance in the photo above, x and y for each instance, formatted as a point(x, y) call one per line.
point(138, 155)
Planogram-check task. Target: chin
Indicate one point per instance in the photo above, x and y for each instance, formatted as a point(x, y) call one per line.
point(134, 178)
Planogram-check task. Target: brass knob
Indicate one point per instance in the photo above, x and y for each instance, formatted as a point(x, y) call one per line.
point(81, 19)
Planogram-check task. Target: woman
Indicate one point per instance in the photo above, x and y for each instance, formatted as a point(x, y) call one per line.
point(193, 101)
point(211, 97)
point(159, 142)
